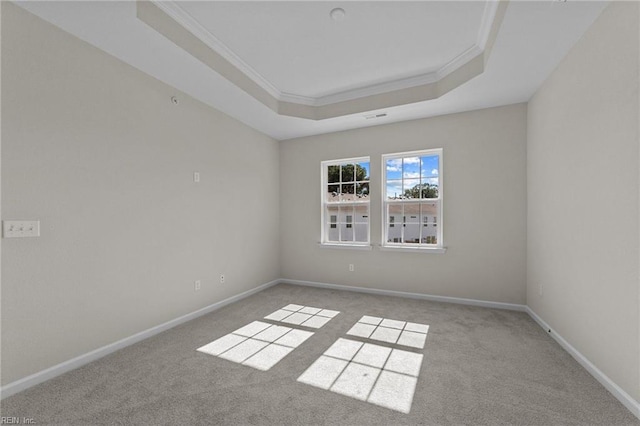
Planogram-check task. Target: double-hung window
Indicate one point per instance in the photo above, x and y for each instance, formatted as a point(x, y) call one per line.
point(345, 202)
point(412, 199)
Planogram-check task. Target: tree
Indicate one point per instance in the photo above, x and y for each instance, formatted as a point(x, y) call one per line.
point(347, 173)
point(428, 191)
point(347, 170)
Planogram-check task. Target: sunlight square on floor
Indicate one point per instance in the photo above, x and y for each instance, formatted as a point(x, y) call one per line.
point(403, 333)
point(372, 373)
point(306, 316)
point(259, 345)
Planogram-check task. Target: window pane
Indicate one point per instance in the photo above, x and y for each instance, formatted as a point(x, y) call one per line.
point(411, 188)
point(394, 189)
point(333, 193)
point(347, 192)
point(411, 167)
point(346, 232)
point(331, 219)
point(429, 212)
point(362, 190)
point(362, 172)
point(394, 227)
point(394, 168)
point(344, 212)
point(346, 201)
point(361, 232)
point(429, 166)
point(347, 173)
point(332, 233)
point(362, 214)
point(349, 221)
point(411, 233)
point(429, 188)
point(333, 174)
point(411, 224)
point(411, 213)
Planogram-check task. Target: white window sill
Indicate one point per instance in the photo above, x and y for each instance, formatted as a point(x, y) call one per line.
point(430, 250)
point(345, 246)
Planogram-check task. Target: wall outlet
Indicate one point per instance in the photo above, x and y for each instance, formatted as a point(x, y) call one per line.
point(20, 228)
point(196, 177)
point(196, 285)
point(351, 268)
point(221, 278)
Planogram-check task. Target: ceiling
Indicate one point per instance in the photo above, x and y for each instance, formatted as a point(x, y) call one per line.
point(294, 52)
point(300, 50)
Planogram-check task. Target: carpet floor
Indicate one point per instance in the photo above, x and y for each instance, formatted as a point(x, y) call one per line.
point(480, 367)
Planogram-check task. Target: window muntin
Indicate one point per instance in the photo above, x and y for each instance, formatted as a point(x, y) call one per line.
point(412, 196)
point(345, 201)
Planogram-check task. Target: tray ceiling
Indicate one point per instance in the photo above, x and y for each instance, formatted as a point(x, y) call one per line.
point(298, 61)
point(533, 38)
point(298, 49)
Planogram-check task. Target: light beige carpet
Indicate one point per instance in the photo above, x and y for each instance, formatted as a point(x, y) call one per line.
point(480, 367)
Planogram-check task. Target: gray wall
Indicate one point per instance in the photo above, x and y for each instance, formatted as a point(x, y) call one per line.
point(583, 189)
point(95, 150)
point(484, 207)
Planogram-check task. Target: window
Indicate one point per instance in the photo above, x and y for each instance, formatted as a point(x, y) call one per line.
point(412, 191)
point(345, 202)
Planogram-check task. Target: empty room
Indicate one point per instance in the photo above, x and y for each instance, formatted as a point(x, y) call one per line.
point(320, 212)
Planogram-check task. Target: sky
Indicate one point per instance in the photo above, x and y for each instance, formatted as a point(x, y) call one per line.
point(405, 173)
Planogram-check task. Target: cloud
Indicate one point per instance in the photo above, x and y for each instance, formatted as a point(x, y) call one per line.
point(412, 160)
point(394, 165)
point(434, 172)
point(411, 175)
point(432, 181)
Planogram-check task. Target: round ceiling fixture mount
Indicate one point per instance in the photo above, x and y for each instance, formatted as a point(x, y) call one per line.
point(337, 14)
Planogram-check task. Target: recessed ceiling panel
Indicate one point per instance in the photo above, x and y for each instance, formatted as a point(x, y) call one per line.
point(299, 49)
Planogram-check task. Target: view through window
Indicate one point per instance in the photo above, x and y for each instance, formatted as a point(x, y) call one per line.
point(345, 197)
point(413, 199)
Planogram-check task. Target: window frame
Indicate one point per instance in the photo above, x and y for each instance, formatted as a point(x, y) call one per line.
point(439, 219)
point(324, 224)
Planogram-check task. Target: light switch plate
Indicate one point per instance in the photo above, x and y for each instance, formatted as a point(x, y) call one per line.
point(20, 228)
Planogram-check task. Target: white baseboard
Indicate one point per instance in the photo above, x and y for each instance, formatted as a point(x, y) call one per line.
point(377, 291)
point(79, 361)
point(626, 399)
point(56, 370)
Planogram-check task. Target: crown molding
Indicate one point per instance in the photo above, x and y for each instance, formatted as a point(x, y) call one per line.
point(178, 14)
point(488, 18)
point(173, 9)
point(186, 33)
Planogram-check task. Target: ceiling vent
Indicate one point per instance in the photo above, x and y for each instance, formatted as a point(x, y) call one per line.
point(370, 117)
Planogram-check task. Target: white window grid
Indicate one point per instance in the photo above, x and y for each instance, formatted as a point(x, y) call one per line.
point(347, 210)
point(417, 206)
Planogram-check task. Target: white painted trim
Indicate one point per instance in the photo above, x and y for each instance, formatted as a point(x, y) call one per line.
point(44, 375)
point(183, 18)
point(384, 245)
point(192, 25)
point(626, 399)
point(324, 167)
point(488, 16)
point(458, 61)
point(375, 89)
point(345, 246)
point(407, 295)
point(79, 361)
point(424, 250)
